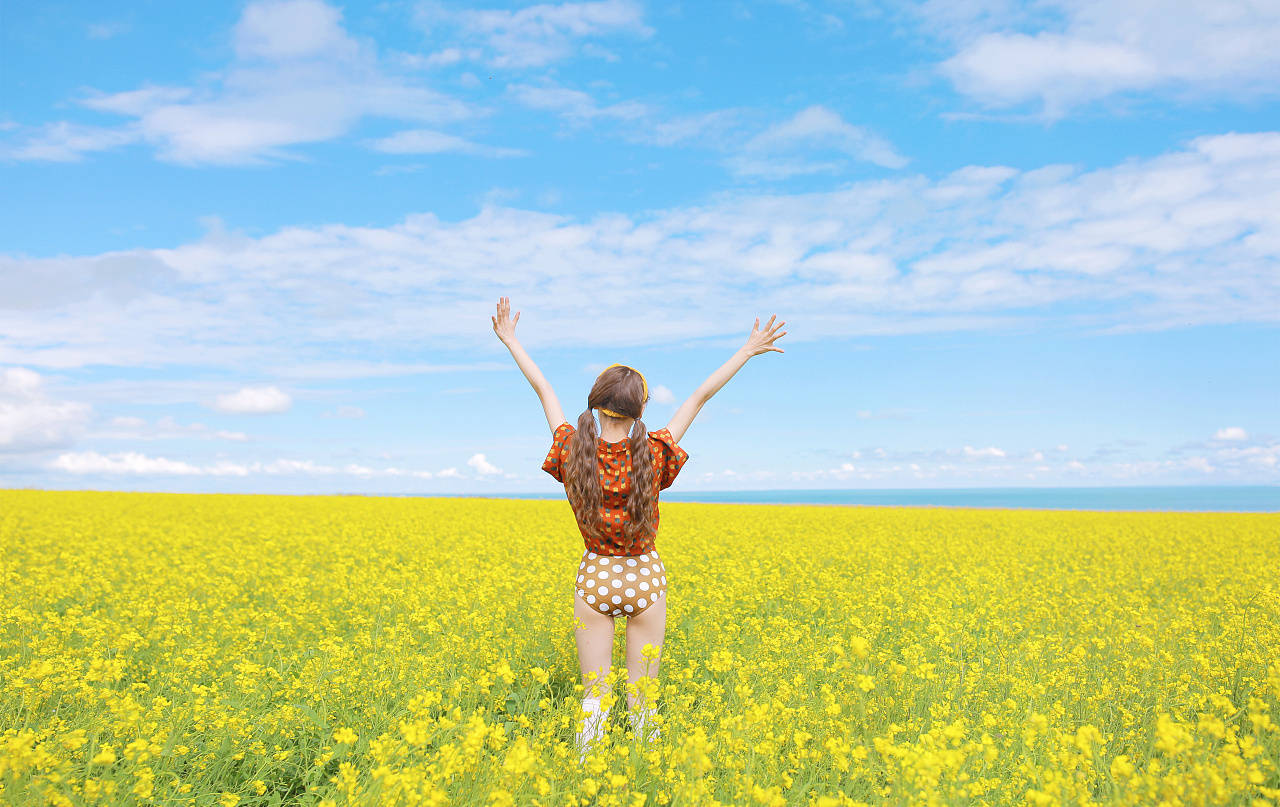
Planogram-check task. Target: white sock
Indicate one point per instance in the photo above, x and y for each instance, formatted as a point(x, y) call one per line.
point(593, 725)
point(642, 724)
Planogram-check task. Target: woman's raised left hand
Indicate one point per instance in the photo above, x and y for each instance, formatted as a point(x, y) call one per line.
point(503, 325)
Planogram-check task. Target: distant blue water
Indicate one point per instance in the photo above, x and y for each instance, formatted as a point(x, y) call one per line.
point(1219, 498)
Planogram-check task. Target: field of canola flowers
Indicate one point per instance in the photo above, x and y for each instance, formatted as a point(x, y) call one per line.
point(261, 650)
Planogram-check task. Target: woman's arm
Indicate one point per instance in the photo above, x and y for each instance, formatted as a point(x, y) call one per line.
point(760, 341)
point(505, 328)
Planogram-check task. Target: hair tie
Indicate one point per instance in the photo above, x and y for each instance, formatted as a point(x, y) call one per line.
point(642, 381)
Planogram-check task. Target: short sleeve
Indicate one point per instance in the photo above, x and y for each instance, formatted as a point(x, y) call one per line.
point(558, 455)
point(672, 456)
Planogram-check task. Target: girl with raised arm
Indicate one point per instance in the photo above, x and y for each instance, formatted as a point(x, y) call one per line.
point(612, 479)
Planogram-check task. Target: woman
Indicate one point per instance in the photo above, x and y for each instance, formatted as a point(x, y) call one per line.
point(615, 500)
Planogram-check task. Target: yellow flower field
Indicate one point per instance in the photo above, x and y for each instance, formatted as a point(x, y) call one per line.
point(259, 650)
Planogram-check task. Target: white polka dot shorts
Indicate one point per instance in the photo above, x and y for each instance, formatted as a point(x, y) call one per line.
point(620, 585)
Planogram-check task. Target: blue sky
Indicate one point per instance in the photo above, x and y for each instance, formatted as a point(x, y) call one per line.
point(255, 246)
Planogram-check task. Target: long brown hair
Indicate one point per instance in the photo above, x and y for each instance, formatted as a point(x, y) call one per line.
point(622, 390)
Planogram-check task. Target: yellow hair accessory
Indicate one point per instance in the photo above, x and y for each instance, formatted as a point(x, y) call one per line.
point(642, 381)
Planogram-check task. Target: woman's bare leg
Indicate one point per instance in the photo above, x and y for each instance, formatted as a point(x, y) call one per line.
point(595, 647)
point(648, 627)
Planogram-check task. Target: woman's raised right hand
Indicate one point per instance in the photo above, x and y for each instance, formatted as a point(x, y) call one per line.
point(761, 341)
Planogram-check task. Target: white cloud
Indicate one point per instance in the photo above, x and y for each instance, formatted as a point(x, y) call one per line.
point(1179, 239)
point(814, 140)
point(1002, 69)
point(1262, 456)
point(353, 412)
point(128, 462)
point(575, 105)
point(369, 473)
point(128, 427)
point(1247, 461)
point(599, 52)
point(106, 30)
point(634, 121)
point(483, 466)
point(428, 141)
point(718, 128)
point(297, 77)
point(884, 414)
point(328, 369)
point(281, 30)
point(1081, 51)
point(990, 451)
point(114, 278)
point(441, 58)
point(131, 462)
point(64, 142)
point(1199, 464)
point(1232, 453)
point(255, 400)
point(739, 477)
point(662, 395)
point(32, 421)
point(285, 466)
point(539, 34)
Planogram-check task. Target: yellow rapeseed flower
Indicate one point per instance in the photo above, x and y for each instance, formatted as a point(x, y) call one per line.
point(179, 647)
point(345, 736)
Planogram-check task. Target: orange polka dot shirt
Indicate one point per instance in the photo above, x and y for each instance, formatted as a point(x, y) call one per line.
point(614, 464)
